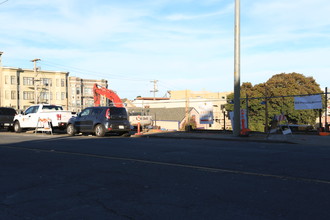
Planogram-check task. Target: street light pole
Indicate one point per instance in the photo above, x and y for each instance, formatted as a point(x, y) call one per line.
point(237, 84)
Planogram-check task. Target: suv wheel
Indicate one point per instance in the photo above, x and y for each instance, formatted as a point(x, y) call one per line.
point(17, 127)
point(99, 130)
point(125, 134)
point(70, 130)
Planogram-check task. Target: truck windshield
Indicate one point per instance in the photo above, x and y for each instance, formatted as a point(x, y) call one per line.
point(52, 108)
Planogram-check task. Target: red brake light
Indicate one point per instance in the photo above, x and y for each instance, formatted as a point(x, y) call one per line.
point(107, 114)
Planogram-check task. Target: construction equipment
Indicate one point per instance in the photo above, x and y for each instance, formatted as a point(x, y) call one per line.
point(134, 120)
point(108, 93)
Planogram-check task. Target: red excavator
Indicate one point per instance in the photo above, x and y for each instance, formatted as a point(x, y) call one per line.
point(108, 93)
point(116, 101)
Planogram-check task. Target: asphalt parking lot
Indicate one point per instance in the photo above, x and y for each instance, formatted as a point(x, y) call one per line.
point(86, 177)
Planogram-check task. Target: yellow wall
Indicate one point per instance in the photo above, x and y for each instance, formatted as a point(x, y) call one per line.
point(18, 87)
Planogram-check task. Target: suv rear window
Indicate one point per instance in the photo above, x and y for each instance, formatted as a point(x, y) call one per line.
point(7, 111)
point(118, 113)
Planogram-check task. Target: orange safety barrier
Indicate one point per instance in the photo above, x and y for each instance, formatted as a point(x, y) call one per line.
point(44, 120)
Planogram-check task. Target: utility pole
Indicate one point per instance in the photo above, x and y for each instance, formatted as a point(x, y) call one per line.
point(49, 92)
point(155, 88)
point(0, 75)
point(187, 112)
point(35, 79)
point(247, 109)
point(326, 111)
point(237, 83)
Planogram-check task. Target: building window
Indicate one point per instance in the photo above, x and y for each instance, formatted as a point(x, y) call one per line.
point(73, 92)
point(63, 96)
point(28, 95)
point(58, 97)
point(6, 79)
point(88, 91)
point(13, 80)
point(7, 94)
point(46, 81)
point(28, 81)
point(57, 82)
point(13, 95)
point(62, 83)
point(89, 102)
point(45, 96)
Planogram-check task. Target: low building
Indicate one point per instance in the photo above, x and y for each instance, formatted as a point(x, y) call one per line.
point(196, 100)
point(170, 118)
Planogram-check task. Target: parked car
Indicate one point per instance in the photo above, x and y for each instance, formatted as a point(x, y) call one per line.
point(100, 120)
point(31, 117)
point(7, 117)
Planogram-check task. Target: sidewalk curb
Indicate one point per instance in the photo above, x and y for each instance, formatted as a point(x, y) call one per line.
point(239, 139)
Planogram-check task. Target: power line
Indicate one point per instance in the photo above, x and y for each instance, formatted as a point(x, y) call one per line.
point(4, 2)
point(84, 71)
point(166, 86)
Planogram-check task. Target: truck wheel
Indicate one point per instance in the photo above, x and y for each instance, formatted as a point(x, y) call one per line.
point(70, 130)
point(99, 130)
point(17, 127)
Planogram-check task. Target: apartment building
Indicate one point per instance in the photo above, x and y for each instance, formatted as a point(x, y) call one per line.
point(21, 88)
point(81, 93)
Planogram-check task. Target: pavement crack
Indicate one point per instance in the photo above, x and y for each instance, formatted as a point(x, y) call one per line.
point(112, 211)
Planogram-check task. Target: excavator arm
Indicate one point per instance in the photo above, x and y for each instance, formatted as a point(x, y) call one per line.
point(108, 93)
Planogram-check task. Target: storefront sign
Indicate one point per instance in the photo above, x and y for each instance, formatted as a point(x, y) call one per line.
point(205, 113)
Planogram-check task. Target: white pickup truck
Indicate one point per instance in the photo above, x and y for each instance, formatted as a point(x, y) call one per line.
point(36, 115)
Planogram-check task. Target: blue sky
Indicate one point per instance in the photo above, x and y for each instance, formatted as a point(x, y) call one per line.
point(184, 44)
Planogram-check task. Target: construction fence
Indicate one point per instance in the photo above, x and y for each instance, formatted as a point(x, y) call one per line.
point(211, 114)
point(317, 102)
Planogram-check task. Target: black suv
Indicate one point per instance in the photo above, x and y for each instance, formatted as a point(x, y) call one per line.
point(100, 120)
point(7, 117)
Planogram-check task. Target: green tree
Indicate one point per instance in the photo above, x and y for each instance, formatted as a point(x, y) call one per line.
point(292, 84)
point(278, 85)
